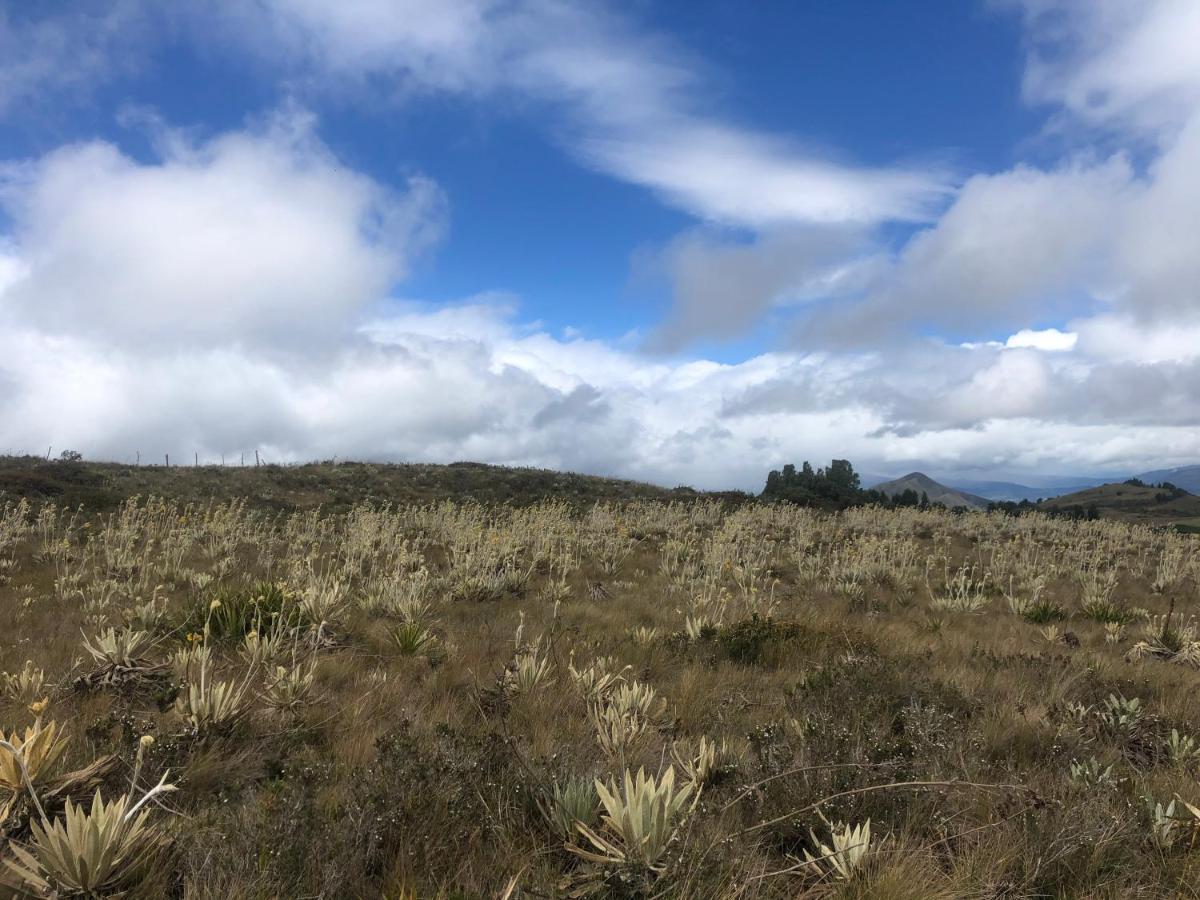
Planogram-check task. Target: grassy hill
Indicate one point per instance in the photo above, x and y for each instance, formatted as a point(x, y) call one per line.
point(1008, 491)
point(332, 486)
point(1143, 504)
point(1186, 477)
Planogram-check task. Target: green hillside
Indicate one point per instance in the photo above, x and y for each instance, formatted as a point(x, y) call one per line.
point(332, 486)
point(1126, 502)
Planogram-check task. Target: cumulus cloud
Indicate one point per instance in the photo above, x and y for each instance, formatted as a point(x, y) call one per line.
point(1014, 249)
point(1046, 339)
point(252, 236)
point(1030, 247)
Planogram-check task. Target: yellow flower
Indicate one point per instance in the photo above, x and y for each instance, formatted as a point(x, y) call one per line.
point(215, 605)
point(146, 740)
point(39, 706)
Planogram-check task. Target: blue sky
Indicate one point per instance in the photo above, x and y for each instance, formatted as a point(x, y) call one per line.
point(834, 77)
point(684, 243)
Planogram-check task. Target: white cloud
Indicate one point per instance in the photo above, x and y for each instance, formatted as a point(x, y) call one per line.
point(630, 101)
point(1012, 243)
point(1154, 236)
point(1015, 247)
point(735, 177)
point(1115, 63)
point(1122, 338)
point(252, 236)
point(722, 287)
point(421, 44)
point(1047, 339)
point(474, 383)
point(1016, 250)
point(228, 297)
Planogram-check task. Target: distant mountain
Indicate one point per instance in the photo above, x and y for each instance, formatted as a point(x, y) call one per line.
point(1008, 490)
point(937, 493)
point(1186, 477)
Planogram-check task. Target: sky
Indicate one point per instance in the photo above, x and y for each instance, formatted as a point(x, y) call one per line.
point(682, 243)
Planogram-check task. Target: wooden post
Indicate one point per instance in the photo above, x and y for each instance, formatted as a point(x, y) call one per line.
point(139, 458)
point(167, 458)
point(256, 462)
point(196, 455)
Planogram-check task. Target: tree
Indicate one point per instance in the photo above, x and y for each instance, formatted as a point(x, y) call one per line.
point(835, 487)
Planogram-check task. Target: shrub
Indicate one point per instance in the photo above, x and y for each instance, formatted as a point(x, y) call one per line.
point(243, 610)
point(1107, 612)
point(750, 642)
point(1043, 612)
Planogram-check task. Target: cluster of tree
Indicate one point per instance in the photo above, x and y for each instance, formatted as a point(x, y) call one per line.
point(1166, 490)
point(836, 486)
point(909, 497)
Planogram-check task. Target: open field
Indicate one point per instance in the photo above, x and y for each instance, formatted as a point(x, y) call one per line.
point(418, 701)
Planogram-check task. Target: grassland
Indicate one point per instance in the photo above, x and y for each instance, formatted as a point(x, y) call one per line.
point(330, 486)
point(430, 698)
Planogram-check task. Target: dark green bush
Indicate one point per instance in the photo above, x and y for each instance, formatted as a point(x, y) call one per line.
point(242, 610)
point(1043, 612)
point(755, 641)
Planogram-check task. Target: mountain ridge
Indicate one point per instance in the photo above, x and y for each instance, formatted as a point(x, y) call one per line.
point(1186, 477)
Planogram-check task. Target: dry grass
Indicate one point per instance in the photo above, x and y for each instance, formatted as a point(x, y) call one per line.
point(872, 665)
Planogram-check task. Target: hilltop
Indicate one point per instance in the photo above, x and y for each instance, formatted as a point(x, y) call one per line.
point(332, 486)
point(920, 483)
point(1132, 502)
